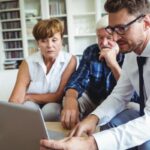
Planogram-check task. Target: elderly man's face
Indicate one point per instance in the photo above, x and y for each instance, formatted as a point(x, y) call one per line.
point(105, 40)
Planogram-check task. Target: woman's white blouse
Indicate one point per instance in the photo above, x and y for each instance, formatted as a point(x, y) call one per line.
point(42, 82)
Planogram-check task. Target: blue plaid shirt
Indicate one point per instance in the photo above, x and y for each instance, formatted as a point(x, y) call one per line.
point(93, 76)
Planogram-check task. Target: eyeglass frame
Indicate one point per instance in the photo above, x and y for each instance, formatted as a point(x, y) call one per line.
point(124, 27)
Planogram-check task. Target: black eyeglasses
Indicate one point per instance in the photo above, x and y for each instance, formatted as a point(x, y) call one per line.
point(121, 29)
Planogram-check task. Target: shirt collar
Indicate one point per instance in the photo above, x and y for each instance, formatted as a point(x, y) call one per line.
point(120, 57)
point(146, 52)
point(39, 59)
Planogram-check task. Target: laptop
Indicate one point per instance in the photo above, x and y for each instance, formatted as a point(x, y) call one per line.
point(21, 127)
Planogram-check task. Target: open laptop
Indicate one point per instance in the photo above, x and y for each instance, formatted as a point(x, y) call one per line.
point(21, 127)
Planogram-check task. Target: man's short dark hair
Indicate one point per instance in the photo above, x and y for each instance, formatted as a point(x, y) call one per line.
point(134, 7)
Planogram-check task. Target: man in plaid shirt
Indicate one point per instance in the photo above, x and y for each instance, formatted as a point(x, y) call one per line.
point(96, 76)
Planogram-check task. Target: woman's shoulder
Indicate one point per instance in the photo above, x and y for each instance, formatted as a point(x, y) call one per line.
point(65, 56)
point(64, 53)
point(34, 57)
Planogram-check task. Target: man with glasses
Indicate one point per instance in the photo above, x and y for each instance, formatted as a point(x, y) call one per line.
point(129, 23)
point(121, 29)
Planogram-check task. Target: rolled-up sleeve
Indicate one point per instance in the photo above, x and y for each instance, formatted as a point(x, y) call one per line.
point(131, 134)
point(134, 132)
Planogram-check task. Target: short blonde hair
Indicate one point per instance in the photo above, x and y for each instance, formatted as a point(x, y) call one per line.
point(102, 23)
point(47, 28)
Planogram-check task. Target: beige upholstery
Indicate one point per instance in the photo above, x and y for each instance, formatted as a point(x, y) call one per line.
point(7, 82)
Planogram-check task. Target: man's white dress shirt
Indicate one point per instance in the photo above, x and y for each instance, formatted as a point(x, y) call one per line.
point(137, 131)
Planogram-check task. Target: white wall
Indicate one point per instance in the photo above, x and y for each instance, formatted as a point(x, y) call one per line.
point(7, 82)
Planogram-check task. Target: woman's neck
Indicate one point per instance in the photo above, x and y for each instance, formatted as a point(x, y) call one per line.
point(48, 63)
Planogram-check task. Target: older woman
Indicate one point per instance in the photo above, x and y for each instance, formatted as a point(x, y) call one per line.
point(42, 76)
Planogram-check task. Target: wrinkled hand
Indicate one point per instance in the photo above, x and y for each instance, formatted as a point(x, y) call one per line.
point(109, 55)
point(87, 126)
point(70, 113)
point(73, 143)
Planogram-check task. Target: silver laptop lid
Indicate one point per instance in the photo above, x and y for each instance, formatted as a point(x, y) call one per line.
point(21, 128)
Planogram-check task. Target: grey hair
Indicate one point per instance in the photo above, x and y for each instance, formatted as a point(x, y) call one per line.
point(102, 22)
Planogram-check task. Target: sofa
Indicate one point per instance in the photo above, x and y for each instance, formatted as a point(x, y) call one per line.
point(7, 82)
